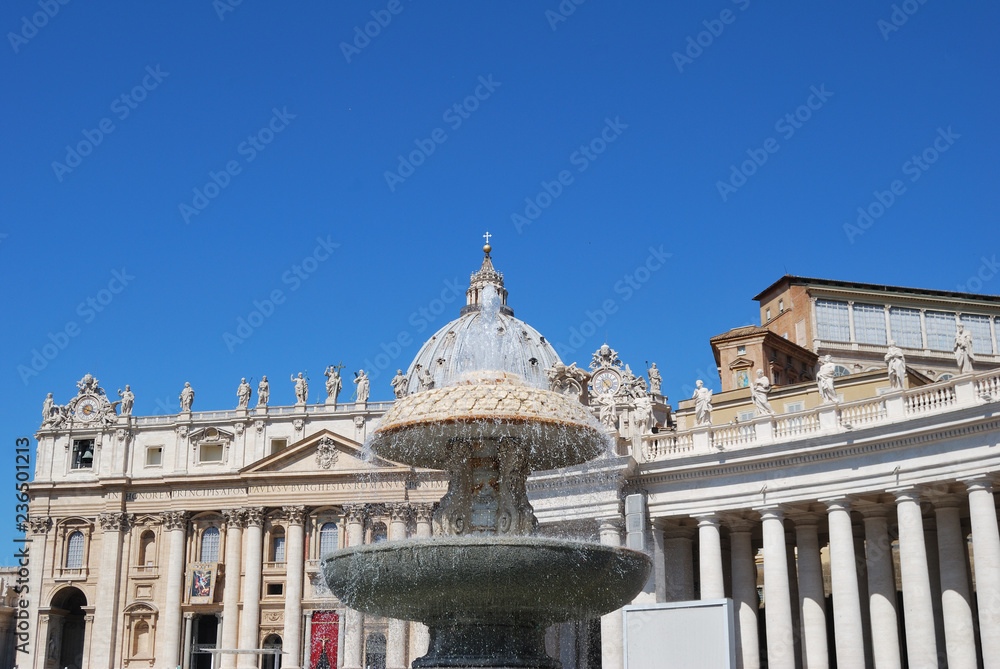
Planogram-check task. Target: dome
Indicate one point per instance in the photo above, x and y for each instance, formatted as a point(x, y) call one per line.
point(486, 336)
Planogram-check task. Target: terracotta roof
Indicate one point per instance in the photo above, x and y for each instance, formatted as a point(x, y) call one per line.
point(876, 287)
point(744, 331)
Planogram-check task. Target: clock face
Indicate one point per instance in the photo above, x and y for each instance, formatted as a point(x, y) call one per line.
point(86, 409)
point(605, 382)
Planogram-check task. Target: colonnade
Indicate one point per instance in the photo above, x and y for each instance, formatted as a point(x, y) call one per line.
point(939, 615)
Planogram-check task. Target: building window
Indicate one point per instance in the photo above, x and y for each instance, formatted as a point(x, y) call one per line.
point(979, 326)
point(210, 453)
point(869, 324)
point(278, 445)
point(940, 330)
point(832, 321)
point(781, 306)
point(83, 454)
point(278, 546)
point(746, 416)
point(905, 326)
point(945, 377)
point(154, 456)
point(275, 589)
point(327, 538)
point(767, 314)
point(793, 407)
point(210, 545)
point(74, 551)
point(375, 651)
point(741, 350)
point(379, 533)
point(147, 549)
point(840, 370)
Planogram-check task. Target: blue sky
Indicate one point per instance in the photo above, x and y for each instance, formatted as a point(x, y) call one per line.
point(166, 165)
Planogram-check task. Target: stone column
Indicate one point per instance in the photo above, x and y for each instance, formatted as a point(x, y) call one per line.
point(986, 551)
point(812, 596)
point(40, 551)
point(186, 647)
point(396, 641)
point(291, 638)
point(175, 523)
point(918, 609)
point(710, 557)
point(934, 573)
point(659, 572)
point(956, 603)
point(612, 643)
point(881, 590)
point(102, 653)
point(777, 601)
point(744, 568)
point(353, 621)
point(250, 621)
point(678, 556)
point(849, 632)
point(231, 588)
point(420, 640)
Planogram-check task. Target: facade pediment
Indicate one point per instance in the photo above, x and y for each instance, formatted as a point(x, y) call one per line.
point(322, 451)
point(741, 362)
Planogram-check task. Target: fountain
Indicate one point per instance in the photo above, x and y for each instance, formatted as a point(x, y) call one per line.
point(486, 584)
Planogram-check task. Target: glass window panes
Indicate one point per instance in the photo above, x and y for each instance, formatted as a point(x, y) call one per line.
point(279, 548)
point(210, 545)
point(869, 324)
point(327, 538)
point(940, 330)
point(832, 321)
point(979, 326)
point(379, 533)
point(905, 327)
point(74, 551)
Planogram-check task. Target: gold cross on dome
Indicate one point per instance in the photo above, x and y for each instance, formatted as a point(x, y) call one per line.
point(487, 236)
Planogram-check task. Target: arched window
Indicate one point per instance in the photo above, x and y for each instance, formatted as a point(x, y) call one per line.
point(379, 533)
point(840, 370)
point(74, 551)
point(147, 548)
point(210, 545)
point(277, 545)
point(327, 538)
point(375, 651)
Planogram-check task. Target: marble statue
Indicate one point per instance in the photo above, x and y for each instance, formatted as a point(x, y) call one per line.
point(758, 393)
point(605, 357)
point(243, 393)
point(641, 420)
point(703, 404)
point(301, 388)
point(608, 412)
point(333, 384)
point(655, 380)
point(399, 383)
point(963, 350)
point(128, 400)
point(425, 380)
point(569, 379)
point(263, 392)
point(897, 365)
point(47, 406)
point(361, 379)
point(187, 397)
point(88, 384)
point(824, 380)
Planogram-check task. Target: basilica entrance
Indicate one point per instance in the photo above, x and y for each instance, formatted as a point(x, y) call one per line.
point(272, 641)
point(206, 637)
point(67, 629)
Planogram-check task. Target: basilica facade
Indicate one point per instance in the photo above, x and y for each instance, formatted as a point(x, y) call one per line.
point(843, 502)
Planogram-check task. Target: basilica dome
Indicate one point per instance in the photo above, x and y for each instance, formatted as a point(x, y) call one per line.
point(486, 336)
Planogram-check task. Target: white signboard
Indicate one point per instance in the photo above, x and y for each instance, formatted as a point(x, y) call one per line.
point(680, 635)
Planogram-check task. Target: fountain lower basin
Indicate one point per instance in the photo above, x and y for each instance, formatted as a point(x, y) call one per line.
point(486, 599)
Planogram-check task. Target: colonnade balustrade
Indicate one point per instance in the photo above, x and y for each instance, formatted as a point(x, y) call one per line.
point(940, 611)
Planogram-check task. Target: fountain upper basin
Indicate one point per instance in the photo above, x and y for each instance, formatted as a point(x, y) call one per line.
point(486, 577)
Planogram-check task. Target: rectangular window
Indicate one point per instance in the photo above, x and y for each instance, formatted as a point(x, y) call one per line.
point(767, 314)
point(746, 416)
point(275, 588)
point(154, 456)
point(278, 445)
point(781, 306)
point(832, 321)
point(940, 330)
point(211, 453)
point(869, 324)
point(279, 549)
point(792, 407)
point(979, 326)
point(83, 454)
point(905, 327)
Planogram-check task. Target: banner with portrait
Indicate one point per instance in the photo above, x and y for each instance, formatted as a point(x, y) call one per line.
point(201, 583)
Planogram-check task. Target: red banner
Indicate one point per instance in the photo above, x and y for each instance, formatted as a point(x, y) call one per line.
point(323, 639)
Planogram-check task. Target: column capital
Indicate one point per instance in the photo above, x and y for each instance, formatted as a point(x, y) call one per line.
point(873, 511)
point(295, 515)
point(978, 482)
point(678, 532)
point(423, 513)
point(740, 525)
point(770, 512)
point(190, 616)
point(910, 493)
point(115, 521)
point(398, 511)
point(40, 525)
point(837, 503)
point(175, 520)
point(707, 519)
point(805, 518)
point(235, 518)
point(610, 524)
point(254, 516)
point(354, 513)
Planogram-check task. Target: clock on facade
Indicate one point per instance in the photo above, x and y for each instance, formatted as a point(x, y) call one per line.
point(87, 408)
point(607, 381)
